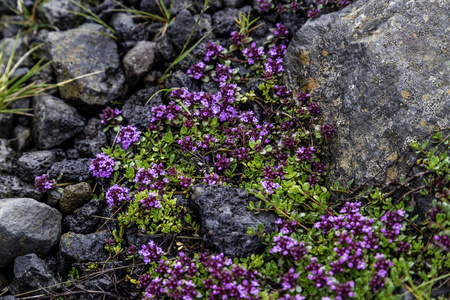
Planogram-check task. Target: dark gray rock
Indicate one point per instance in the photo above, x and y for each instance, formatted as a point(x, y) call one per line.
point(57, 13)
point(380, 71)
point(21, 139)
point(12, 186)
point(7, 157)
point(223, 22)
point(27, 226)
point(90, 51)
point(128, 30)
point(179, 30)
point(84, 248)
point(233, 3)
point(165, 52)
point(21, 47)
point(75, 196)
point(138, 61)
point(36, 163)
point(54, 121)
point(32, 273)
point(72, 170)
point(83, 220)
point(225, 219)
point(180, 79)
point(6, 125)
point(53, 197)
point(136, 109)
point(152, 7)
point(91, 140)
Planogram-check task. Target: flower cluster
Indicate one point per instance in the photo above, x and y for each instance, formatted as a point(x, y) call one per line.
point(187, 144)
point(222, 162)
point(281, 31)
point(212, 50)
point(288, 246)
point(128, 135)
point(43, 183)
point(116, 194)
point(327, 131)
point(102, 166)
point(237, 38)
point(150, 252)
point(110, 116)
point(381, 269)
point(151, 201)
point(222, 73)
point(392, 220)
point(253, 54)
point(306, 153)
point(153, 177)
point(198, 70)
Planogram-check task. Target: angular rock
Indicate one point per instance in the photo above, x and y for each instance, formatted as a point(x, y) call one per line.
point(57, 13)
point(165, 53)
point(84, 248)
point(90, 51)
point(90, 142)
point(223, 22)
point(138, 61)
point(7, 157)
point(36, 163)
point(379, 69)
point(32, 273)
point(55, 121)
point(179, 30)
point(180, 79)
point(72, 170)
point(225, 219)
point(12, 186)
point(83, 220)
point(128, 31)
point(136, 109)
point(75, 196)
point(27, 226)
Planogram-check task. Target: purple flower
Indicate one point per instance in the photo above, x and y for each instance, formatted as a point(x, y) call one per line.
point(236, 37)
point(44, 184)
point(197, 71)
point(313, 109)
point(102, 166)
point(212, 50)
point(222, 162)
point(272, 67)
point(222, 73)
point(185, 181)
point(109, 115)
point(187, 144)
point(294, 5)
point(151, 201)
point(128, 135)
point(289, 280)
point(150, 252)
point(264, 5)
point(281, 31)
point(269, 187)
point(277, 51)
point(305, 153)
point(327, 131)
point(116, 194)
point(303, 97)
point(313, 13)
point(253, 54)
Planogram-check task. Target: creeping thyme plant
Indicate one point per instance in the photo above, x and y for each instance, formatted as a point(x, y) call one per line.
point(313, 10)
point(267, 140)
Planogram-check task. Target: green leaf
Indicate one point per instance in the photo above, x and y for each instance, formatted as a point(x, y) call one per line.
point(251, 205)
point(261, 227)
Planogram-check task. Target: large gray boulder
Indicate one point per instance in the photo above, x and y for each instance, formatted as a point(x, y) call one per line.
point(55, 121)
point(225, 219)
point(27, 226)
point(380, 70)
point(90, 51)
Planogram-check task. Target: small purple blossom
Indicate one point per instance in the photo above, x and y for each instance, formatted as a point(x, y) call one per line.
point(327, 131)
point(289, 280)
point(277, 51)
point(185, 181)
point(198, 70)
point(44, 184)
point(253, 54)
point(313, 13)
point(116, 194)
point(150, 252)
point(269, 187)
point(151, 201)
point(187, 144)
point(222, 73)
point(236, 37)
point(303, 97)
point(264, 5)
point(314, 109)
point(128, 135)
point(102, 166)
point(222, 162)
point(273, 67)
point(109, 116)
point(212, 50)
point(281, 31)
